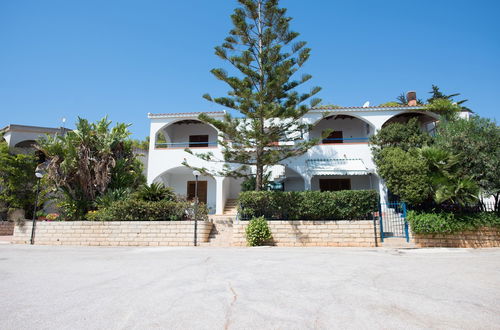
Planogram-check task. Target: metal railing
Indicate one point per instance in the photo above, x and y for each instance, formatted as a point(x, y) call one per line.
point(343, 140)
point(186, 144)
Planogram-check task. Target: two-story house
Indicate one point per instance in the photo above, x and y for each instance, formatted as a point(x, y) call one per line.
point(341, 161)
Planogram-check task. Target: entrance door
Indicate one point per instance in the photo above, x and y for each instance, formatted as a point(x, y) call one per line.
point(202, 191)
point(334, 184)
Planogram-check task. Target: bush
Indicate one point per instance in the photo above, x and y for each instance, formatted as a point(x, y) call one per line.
point(258, 232)
point(132, 209)
point(447, 222)
point(154, 193)
point(308, 205)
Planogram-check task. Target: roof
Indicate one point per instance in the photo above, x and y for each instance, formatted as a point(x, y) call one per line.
point(35, 129)
point(369, 108)
point(337, 166)
point(184, 114)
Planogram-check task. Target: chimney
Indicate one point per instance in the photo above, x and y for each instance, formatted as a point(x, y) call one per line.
point(411, 97)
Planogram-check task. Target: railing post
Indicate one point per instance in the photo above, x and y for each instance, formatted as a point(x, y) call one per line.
point(407, 232)
point(381, 222)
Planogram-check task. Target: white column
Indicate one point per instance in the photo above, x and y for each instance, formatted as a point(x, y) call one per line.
point(382, 190)
point(219, 200)
point(307, 182)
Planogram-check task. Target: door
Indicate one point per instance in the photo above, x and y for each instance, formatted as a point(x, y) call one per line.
point(334, 184)
point(202, 191)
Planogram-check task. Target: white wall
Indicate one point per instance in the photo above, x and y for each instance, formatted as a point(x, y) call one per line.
point(179, 181)
point(294, 184)
point(350, 127)
point(180, 132)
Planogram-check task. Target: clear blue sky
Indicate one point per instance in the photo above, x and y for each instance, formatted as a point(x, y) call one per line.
point(125, 58)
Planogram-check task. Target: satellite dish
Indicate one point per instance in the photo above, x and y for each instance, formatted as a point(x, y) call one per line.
point(366, 104)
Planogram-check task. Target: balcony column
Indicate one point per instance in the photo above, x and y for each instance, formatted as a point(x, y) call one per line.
point(220, 199)
point(382, 190)
point(307, 182)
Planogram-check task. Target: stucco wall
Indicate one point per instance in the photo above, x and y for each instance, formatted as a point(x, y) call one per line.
point(350, 127)
point(343, 233)
point(180, 132)
point(113, 233)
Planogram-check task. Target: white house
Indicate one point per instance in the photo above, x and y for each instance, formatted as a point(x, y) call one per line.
point(21, 138)
point(343, 161)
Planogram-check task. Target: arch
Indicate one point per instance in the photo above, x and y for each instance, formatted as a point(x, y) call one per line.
point(181, 180)
point(26, 144)
point(356, 130)
point(345, 114)
point(426, 119)
point(172, 136)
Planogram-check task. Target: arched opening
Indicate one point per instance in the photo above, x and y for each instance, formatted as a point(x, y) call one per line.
point(187, 133)
point(183, 183)
point(26, 144)
point(345, 129)
point(427, 121)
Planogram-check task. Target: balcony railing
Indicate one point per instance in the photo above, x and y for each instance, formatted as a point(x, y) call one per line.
point(345, 140)
point(168, 145)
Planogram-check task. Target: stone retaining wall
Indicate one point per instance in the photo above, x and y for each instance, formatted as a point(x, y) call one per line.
point(113, 233)
point(6, 228)
point(485, 237)
point(357, 233)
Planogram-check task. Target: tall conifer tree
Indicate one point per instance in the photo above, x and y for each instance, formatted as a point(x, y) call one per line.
point(265, 57)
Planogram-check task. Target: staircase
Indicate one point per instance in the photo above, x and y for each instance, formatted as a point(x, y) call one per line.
point(222, 231)
point(231, 207)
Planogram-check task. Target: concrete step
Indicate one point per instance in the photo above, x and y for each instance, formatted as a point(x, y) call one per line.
point(397, 242)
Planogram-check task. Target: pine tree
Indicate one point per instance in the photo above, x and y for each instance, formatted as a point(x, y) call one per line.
point(267, 126)
point(437, 94)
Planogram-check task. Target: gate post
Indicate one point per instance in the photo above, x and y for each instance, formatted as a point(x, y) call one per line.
point(381, 223)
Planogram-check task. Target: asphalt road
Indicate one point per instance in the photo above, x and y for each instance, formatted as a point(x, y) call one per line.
point(248, 288)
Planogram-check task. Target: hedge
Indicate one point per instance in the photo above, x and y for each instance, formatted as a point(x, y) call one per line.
point(308, 205)
point(448, 223)
point(139, 210)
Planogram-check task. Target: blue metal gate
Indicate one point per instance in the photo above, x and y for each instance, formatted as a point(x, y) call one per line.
point(393, 222)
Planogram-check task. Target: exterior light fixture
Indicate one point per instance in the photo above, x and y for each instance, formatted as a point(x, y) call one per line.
point(39, 173)
point(196, 174)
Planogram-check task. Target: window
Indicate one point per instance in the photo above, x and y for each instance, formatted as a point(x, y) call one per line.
point(334, 184)
point(198, 141)
point(334, 137)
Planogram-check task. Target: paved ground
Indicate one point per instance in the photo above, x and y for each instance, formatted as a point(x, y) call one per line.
point(247, 288)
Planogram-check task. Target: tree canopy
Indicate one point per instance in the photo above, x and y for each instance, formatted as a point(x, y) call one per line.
point(85, 162)
point(266, 127)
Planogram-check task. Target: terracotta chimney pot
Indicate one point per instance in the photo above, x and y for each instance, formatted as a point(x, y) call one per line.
point(411, 97)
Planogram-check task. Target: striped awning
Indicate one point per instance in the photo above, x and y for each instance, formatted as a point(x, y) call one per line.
point(337, 166)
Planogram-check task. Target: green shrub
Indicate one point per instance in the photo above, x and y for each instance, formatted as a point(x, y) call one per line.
point(447, 222)
point(111, 196)
point(258, 232)
point(154, 192)
point(133, 209)
point(308, 205)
